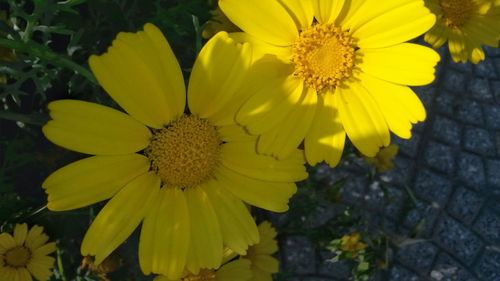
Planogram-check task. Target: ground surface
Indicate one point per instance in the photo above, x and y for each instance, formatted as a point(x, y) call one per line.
point(452, 166)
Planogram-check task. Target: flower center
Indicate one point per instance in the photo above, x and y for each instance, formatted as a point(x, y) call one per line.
point(185, 153)
point(204, 275)
point(456, 12)
point(323, 56)
point(17, 257)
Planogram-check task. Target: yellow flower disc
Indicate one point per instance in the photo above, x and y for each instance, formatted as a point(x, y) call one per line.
point(204, 275)
point(456, 12)
point(17, 257)
point(186, 152)
point(323, 56)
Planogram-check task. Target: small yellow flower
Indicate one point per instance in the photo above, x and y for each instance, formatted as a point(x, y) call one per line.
point(326, 70)
point(352, 243)
point(25, 254)
point(384, 160)
point(218, 22)
point(260, 255)
point(466, 25)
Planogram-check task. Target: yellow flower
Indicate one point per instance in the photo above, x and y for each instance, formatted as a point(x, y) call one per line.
point(184, 174)
point(218, 22)
point(237, 270)
point(383, 161)
point(466, 25)
point(326, 69)
point(263, 264)
point(351, 243)
point(25, 254)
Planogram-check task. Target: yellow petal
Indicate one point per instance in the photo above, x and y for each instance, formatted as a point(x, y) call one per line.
point(206, 238)
point(326, 137)
point(121, 215)
point(20, 233)
point(395, 25)
point(7, 241)
point(406, 64)
point(262, 49)
point(35, 236)
point(284, 139)
point(302, 12)
point(242, 158)
point(271, 196)
point(24, 274)
point(45, 250)
point(363, 121)
point(91, 180)
point(94, 129)
point(165, 235)
point(216, 76)
point(238, 270)
point(39, 268)
point(264, 19)
point(327, 11)
point(437, 36)
point(237, 225)
point(140, 72)
point(399, 104)
point(235, 133)
point(266, 263)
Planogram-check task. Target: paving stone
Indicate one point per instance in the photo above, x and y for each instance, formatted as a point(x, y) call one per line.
point(408, 147)
point(471, 170)
point(457, 239)
point(455, 81)
point(492, 114)
point(479, 141)
point(486, 69)
point(446, 130)
point(446, 102)
point(488, 266)
point(418, 256)
point(432, 187)
point(448, 269)
point(399, 273)
point(469, 112)
point(426, 94)
point(465, 205)
point(401, 173)
point(396, 201)
point(421, 219)
point(462, 67)
point(493, 172)
point(341, 270)
point(300, 256)
point(440, 157)
point(488, 226)
point(323, 213)
point(375, 197)
point(496, 90)
point(491, 51)
point(354, 190)
point(479, 89)
point(496, 62)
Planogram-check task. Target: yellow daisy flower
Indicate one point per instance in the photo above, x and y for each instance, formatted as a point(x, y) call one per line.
point(352, 243)
point(326, 69)
point(384, 160)
point(237, 270)
point(218, 22)
point(466, 25)
point(184, 175)
point(263, 264)
point(25, 254)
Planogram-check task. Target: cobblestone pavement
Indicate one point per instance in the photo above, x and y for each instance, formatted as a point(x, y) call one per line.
point(452, 167)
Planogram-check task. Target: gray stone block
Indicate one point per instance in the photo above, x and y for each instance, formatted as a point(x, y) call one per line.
point(446, 102)
point(340, 270)
point(448, 269)
point(421, 219)
point(300, 255)
point(440, 157)
point(455, 81)
point(354, 190)
point(401, 173)
point(488, 266)
point(426, 94)
point(479, 141)
point(488, 226)
point(471, 170)
point(432, 187)
point(396, 201)
point(496, 89)
point(457, 239)
point(446, 130)
point(418, 256)
point(493, 172)
point(465, 205)
point(479, 89)
point(399, 273)
point(408, 147)
point(486, 69)
point(469, 112)
point(492, 114)
point(462, 67)
point(491, 51)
